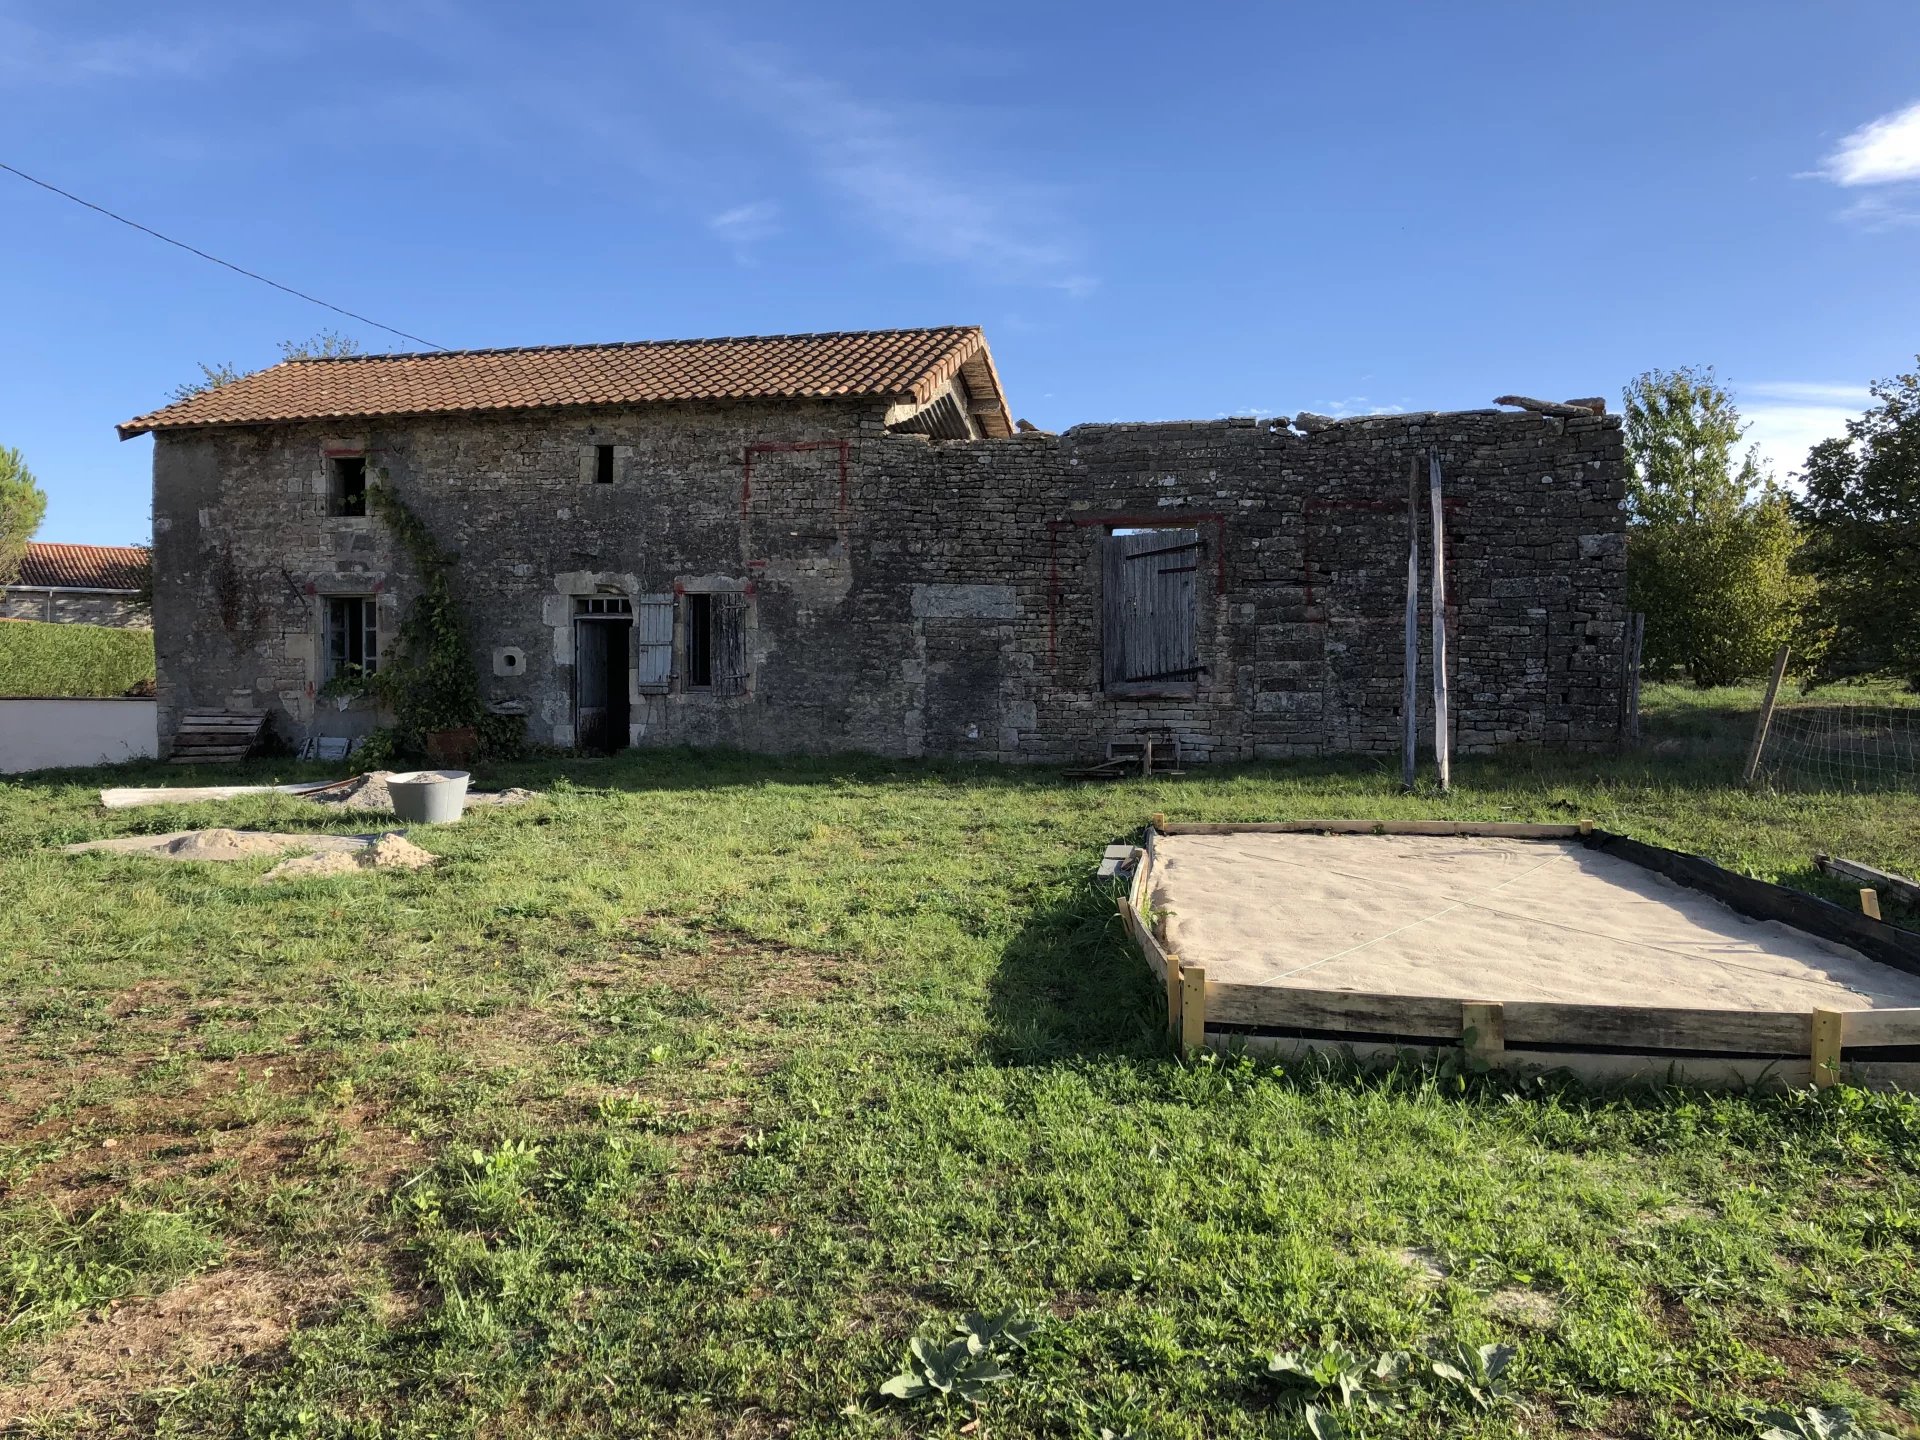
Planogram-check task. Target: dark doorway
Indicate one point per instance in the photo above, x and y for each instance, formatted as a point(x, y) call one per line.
point(602, 627)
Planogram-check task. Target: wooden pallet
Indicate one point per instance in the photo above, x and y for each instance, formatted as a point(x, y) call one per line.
point(209, 737)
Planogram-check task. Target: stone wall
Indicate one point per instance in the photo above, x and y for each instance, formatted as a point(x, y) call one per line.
point(73, 607)
point(915, 597)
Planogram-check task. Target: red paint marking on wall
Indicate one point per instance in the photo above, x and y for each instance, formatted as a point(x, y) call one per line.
point(788, 447)
point(1158, 520)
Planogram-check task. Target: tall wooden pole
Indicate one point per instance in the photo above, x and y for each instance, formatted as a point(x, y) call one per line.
point(1766, 717)
point(1440, 736)
point(1410, 683)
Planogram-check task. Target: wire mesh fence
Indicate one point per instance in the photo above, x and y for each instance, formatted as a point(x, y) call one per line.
point(1841, 747)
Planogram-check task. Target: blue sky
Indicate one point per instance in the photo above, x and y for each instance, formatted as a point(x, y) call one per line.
point(1154, 211)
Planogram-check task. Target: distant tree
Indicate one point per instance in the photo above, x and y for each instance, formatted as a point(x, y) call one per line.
point(23, 505)
point(326, 345)
point(1861, 514)
point(1710, 539)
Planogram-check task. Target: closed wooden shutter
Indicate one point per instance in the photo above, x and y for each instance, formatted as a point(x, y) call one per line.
point(729, 644)
point(653, 643)
point(1150, 611)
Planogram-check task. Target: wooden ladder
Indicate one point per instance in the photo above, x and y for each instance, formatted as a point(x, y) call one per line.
point(208, 737)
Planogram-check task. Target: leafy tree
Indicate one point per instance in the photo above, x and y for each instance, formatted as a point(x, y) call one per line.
point(327, 345)
point(23, 505)
point(1710, 540)
point(1861, 513)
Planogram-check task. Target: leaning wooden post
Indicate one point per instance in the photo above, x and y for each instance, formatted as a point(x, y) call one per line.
point(1193, 1009)
point(1410, 683)
point(1826, 1046)
point(1440, 737)
point(1766, 717)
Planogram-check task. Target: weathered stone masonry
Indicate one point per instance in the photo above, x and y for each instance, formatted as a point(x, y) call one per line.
point(916, 597)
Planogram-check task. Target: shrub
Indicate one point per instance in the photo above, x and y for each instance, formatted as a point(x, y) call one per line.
point(73, 661)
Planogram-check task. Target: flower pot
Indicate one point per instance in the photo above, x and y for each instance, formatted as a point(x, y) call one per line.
point(452, 749)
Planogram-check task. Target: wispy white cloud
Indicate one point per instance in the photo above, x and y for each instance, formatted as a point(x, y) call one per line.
point(1787, 418)
point(1358, 405)
point(744, 226)
point(907, 172)
point(1881, 152)
point(44, 55)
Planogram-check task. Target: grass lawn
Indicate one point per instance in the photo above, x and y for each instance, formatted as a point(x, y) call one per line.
point(74, 661)
point(678, 1101)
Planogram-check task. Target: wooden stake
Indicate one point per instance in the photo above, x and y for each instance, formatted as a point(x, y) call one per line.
point(1766, 717)
point(1193, 1008)
point(1483, 1030)
point(1870, 902)
point(1441, 740)
point(1826, 1046)
point(1174, 992)
point(1410, 683)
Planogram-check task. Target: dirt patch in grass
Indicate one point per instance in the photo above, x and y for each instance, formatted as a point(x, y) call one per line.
point(236, 1315)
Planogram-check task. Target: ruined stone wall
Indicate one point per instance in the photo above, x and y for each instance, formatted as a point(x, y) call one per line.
point(910, 597)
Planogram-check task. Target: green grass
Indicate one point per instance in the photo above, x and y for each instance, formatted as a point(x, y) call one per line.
point(678, 1101)
point(72, 661)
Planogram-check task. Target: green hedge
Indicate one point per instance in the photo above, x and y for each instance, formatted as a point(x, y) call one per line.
point(72, 660)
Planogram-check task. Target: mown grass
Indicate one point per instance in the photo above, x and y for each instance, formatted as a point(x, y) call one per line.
point(72, 661)
point(677, 1101)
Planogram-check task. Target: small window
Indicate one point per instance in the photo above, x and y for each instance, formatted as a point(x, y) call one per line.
point(603, 464)
point(699, 641)
point(346, 484)
point(353, 637)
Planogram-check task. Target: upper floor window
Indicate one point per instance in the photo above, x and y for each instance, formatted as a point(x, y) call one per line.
point(603, 464)
point(346, 484)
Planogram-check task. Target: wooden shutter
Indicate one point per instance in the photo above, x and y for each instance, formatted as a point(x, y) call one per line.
point(653, 643)
point(729, 644)
point(1150, 615)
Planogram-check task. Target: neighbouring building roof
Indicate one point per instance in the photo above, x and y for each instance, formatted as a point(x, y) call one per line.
point(904, 367)
point(84, 567)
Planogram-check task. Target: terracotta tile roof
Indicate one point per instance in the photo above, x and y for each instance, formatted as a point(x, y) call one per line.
point(894, 365)
point(84, 567)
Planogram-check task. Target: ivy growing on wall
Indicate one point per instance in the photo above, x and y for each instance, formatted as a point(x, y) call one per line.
point(428, 679)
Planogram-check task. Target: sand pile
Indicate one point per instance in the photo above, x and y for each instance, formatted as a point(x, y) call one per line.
point(391, 851)
point(227, 845)
point(369, 792)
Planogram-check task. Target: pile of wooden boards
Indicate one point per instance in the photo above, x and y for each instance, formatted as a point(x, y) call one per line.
point(208, 737)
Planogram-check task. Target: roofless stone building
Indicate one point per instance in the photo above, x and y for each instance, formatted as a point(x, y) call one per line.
point(843, 542)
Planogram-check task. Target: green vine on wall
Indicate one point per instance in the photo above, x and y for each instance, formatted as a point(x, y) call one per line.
point(428, 681)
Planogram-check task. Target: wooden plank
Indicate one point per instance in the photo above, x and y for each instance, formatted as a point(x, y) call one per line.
point(1882, 1074)
point(1193, 1008)
point(1880, 1027)
point(1899, 886)
point(1355, 1011)
point(1483, 1030)
point(1870, 902)
point(1492, 829)
point(1649, 1027)
point(1824, 1052)
point(1442, 740)
point(1410, 679)
point(1589, 1069)
point(1888, 944)
point(1766, 717)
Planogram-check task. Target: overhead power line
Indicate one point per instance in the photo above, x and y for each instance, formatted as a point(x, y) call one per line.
point(228, 264)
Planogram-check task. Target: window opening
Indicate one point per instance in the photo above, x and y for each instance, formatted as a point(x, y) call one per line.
point(346, 484)
point(699, 641)
point(353, 638)
point(603, 464)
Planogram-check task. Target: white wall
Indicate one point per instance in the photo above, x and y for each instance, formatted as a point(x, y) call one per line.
point(42, 734)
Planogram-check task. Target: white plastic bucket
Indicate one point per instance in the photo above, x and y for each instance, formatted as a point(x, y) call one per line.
point(429, 797)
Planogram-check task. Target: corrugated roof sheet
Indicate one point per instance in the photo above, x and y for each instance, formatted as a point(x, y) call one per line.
point(894, 365)
point(84, 567)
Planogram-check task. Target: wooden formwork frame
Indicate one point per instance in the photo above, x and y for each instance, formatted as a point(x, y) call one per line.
point(1879, 1048)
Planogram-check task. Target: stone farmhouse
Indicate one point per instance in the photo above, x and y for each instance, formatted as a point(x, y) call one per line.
point(843, 541)
point(79, 585)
